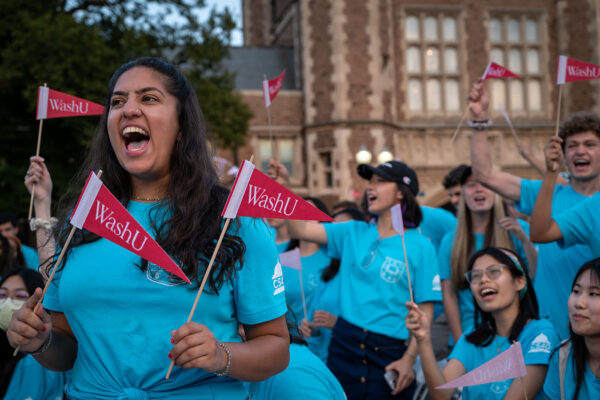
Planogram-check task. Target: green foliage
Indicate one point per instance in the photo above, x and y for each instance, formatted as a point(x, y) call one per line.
point(75, 46)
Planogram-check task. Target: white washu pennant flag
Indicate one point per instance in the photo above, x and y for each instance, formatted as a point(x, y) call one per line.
point(397, 221)
point(291, 259)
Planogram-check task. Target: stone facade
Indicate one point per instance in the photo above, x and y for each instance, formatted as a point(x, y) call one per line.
point(352, 77)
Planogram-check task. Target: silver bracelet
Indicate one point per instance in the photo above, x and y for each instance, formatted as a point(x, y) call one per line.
point(43, 348)
point(228, 365)
point(479, 125)
point(39, 223)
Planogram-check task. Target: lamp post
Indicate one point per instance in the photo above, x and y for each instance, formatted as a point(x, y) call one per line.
point(385, 155)
point(363, 155)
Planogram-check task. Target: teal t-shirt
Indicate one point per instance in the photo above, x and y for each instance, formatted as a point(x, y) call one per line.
point(327, 299)
point(466, 303)
point(312, 268)
point(556, 267)
point(436, 223)
point(373, 279)
point(590, 386)
point(306, 378)
point(538, 338)
point(580, 223)
point(32, 260)
point(31, 381)
point(122, 317)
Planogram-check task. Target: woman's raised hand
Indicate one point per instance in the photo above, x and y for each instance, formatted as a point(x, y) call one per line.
point(324, 319)
point(478, 101)
point(27, 328)
point(417, 322)
point(38, 175)
point(195, 346)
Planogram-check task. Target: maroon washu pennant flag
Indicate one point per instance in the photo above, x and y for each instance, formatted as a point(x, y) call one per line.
point(497, 71)
point(507, 365)
point(271, 88)
point(98, 211)
point(256, 195)
point(571, 70)
point(55, 104)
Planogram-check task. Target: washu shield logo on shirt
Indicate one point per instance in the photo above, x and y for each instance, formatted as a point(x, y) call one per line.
point(499, 387)
point(392, 270)
point(278, 279)
point(541, 344)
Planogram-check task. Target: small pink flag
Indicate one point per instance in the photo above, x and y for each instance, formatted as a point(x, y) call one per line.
point(291, 259)
point(98, 211)
point(271, 88)
point(571, 70)
point(55, 104)
point(256, 195)
point(397, 221)
point(495, 71)
point(507, 365)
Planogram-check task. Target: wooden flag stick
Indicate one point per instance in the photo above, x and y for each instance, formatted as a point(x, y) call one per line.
point(60, 258)
point(412, 299)
point(37, 153)
point(303, 298)
point(204, 279)
point(523, 386)
point(555, 164)
point(462, 118)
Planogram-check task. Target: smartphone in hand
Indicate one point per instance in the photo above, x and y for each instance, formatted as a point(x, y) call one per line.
point(391, 377)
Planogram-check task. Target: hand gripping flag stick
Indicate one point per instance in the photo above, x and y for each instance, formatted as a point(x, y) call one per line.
point(256, 195)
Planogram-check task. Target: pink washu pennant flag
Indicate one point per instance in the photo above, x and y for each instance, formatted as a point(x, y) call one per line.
point(271, 88)
point(497, 71)
point(256, 195)
point(571, 70)
point(98, 211)
point(55, 104)
point(397, 221)
point(291, 259)
point(507, 365)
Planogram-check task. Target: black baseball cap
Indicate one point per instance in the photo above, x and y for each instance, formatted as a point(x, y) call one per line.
point(395, 171)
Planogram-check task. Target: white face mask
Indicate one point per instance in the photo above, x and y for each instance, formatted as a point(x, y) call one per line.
point(7, 307)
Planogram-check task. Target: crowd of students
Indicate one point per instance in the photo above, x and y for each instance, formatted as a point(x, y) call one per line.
point(368, 306)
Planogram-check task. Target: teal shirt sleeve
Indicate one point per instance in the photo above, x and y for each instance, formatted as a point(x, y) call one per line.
point(32, 260)
point(336, 234)
point(537, 346)
point(444, 254)
point(427, 283)
point(461, 352)
point(551, 388)
point(579, 224)
point(529, 192)
point(258, 297)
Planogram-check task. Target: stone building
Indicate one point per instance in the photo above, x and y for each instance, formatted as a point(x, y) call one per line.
point(393, 75)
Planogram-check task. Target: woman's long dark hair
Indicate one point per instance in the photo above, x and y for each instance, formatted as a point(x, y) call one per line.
point(188, 223)
point(8, 260)
point(578, 347)
point(485, 324)
point(33, 280)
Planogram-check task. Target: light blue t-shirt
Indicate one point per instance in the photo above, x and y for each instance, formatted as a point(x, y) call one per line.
point(31, 381)
point(580, 223)
point(466, 303)
point(327, 299)
point(32, 260)
point(538, 338)
point(373, 277)
point(556, 267)
point(590, 386)
point(436, 223)
point(312, 268)
point(306, 378)
point(122, 317)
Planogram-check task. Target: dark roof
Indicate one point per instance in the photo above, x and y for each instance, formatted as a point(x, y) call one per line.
point(251, 64)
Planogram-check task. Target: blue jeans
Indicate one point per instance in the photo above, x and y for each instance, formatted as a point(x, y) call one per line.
point(358, 357)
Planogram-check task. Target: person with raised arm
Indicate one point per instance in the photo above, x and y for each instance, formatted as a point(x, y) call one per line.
point(506, 310)
point(580, 134)
point(369, 336)
point(114, 319)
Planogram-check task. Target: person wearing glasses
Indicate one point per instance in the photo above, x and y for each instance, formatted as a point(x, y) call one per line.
point(369, 336)
point(22, 377)
point(506, 311)
point(482, 222)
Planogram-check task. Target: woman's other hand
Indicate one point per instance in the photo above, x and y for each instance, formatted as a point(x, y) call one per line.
point(196, 347)
point(27, 328)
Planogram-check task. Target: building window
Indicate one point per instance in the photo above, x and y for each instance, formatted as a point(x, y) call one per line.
point(515, 42)
point(326, 169)
point(284, 152)
point(432, 47)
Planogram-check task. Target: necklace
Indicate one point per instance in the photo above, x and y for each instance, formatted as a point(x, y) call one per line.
point(148, 198)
